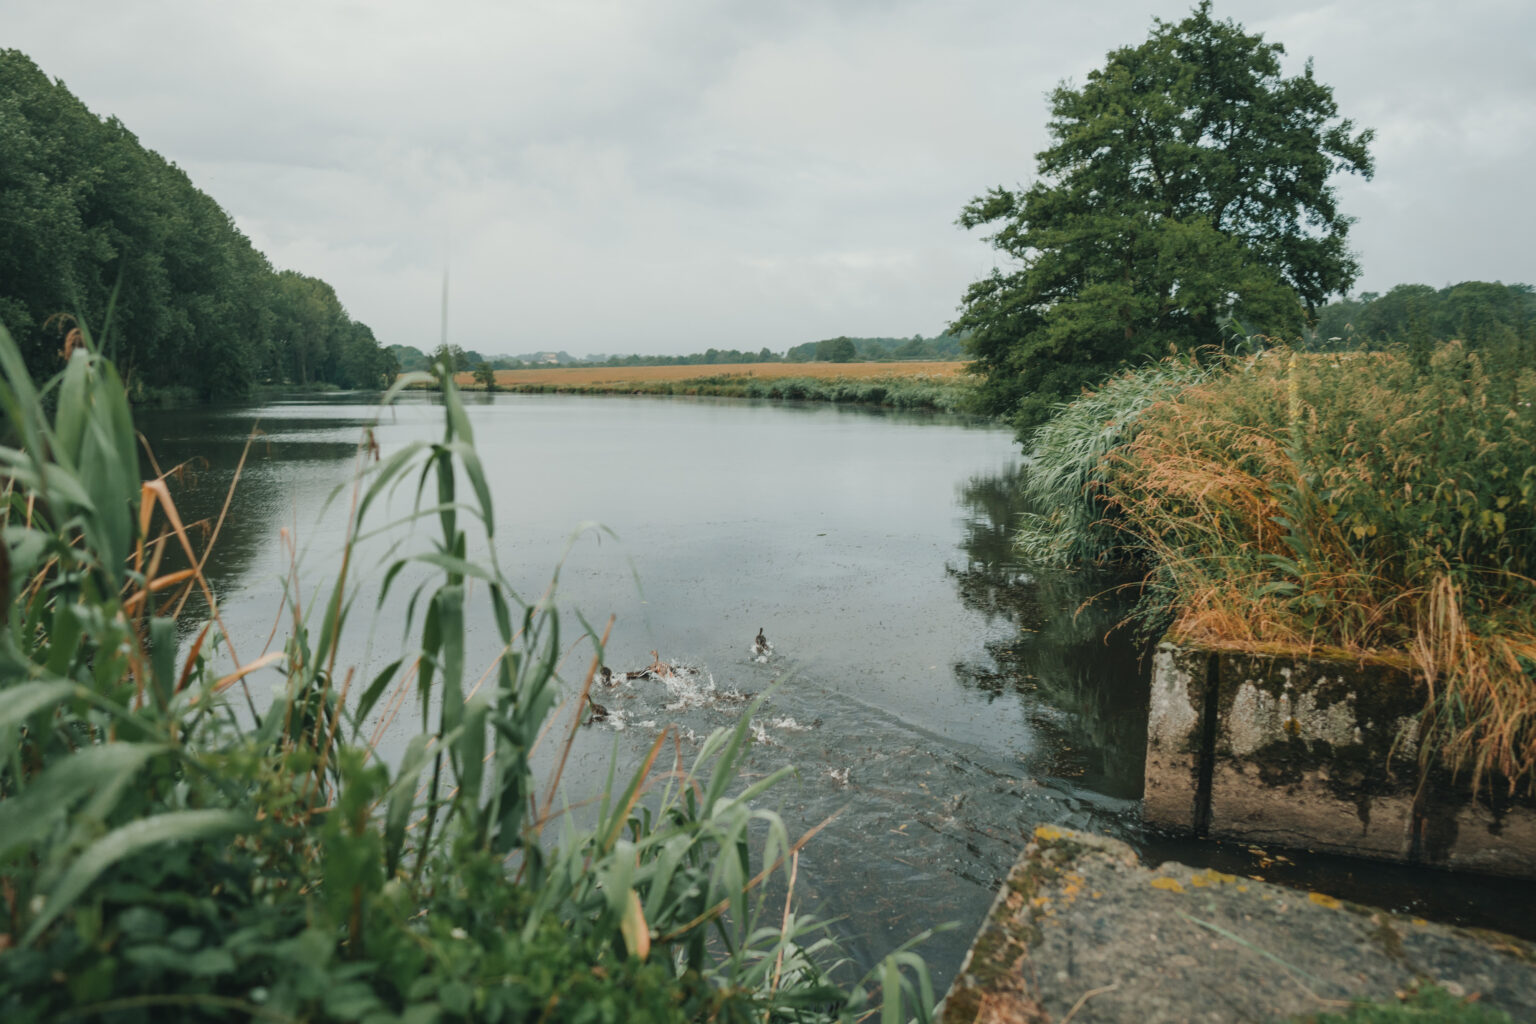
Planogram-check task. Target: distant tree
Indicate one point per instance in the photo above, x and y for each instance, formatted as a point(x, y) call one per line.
point(485, 376)
point(836, 350)
point(1186, 182)
point(450, 356)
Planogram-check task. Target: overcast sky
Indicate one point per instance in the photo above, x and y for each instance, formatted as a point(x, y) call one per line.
point(667, 176)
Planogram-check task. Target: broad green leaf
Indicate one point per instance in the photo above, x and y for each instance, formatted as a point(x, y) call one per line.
point(173, 827)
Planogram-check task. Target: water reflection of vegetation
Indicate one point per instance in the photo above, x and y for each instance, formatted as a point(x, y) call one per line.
point(1081, 676)
point(209, 446)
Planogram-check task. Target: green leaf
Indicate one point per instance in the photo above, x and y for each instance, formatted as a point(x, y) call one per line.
point(18, 703)
point(176, 826)
point(103, 770)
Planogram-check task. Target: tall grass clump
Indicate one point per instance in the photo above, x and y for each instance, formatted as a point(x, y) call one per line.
point(1066, 475)
point(171, 848)
point(1374, 505)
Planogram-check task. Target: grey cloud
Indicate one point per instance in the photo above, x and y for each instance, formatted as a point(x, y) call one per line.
point(673, 175)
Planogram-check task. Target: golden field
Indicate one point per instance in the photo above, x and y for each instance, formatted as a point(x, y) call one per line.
point(588, 376)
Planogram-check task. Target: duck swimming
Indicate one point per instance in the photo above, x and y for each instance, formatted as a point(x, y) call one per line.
point(599, 713)
point(760, 644)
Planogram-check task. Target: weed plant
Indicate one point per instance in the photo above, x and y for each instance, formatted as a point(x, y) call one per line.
point(171, 850)
point(1376, 505)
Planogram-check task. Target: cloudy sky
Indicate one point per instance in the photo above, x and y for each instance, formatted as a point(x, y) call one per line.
point(664, 176)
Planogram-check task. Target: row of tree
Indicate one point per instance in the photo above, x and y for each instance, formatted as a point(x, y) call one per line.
point(91, 221)
point(834, 350)
point(1483, 314)
point(851, 350)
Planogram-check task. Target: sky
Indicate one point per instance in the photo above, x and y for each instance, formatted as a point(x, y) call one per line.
point(667, 176)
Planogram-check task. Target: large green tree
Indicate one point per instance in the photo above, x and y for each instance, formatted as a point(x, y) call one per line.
point(1187, 182)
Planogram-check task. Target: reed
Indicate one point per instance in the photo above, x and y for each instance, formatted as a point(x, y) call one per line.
point(170, 847)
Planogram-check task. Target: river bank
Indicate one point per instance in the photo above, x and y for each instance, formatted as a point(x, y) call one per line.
point(936, 386)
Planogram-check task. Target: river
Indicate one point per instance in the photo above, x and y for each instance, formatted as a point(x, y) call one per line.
point(932, 694)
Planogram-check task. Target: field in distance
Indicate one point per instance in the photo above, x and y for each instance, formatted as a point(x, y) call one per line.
point(579, 376)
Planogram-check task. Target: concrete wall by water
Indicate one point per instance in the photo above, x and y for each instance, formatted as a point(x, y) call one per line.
point(1319, 755)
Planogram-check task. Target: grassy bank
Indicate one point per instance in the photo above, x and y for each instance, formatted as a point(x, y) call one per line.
point(941, 387)
point(1371, 505)
point(175, 846)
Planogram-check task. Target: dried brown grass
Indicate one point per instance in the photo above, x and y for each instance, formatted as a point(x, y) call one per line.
point(1354, 506)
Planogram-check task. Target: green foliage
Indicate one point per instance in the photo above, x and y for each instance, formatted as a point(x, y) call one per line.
point(942, 347)
point(451, 357)
point(1429, 1003)
point(93, 221)
point(1186, 183)
point(485, 376)
point(165, 852)
point(836, 350)
point(1484, 316)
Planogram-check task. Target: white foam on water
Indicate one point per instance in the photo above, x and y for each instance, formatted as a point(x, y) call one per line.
point(688, 688)
point(787, 724)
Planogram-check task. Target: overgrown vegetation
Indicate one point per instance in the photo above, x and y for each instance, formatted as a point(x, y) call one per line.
point(169, 848)
point(1373, 504)
point(1482, 314)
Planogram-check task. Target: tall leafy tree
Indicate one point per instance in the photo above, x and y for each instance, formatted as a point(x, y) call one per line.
point(1186, 182)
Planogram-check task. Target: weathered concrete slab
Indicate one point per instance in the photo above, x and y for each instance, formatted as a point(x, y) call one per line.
point(1082, 930)
point(1176, 742)
point(1320, 755)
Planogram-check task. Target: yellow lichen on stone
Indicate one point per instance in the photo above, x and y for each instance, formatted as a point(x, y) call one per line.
point(1047, 832)
point(1211, 877)
point(1323, 900)
point(1170, 884)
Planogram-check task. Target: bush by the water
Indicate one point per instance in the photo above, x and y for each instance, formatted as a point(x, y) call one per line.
point(169, 849)
point(1379, 505)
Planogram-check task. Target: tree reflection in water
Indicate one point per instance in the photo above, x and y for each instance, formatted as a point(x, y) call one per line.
point(1078, 670)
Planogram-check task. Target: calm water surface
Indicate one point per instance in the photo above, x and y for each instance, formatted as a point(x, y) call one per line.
point(940, 698)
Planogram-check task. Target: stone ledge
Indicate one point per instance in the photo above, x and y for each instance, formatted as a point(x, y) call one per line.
point(1080, 928)
point(1321, 755)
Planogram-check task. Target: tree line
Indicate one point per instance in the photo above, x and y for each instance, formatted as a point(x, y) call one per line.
point(95, 226)
point(1481, 314)
point(841, 349)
